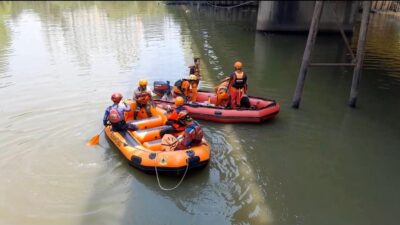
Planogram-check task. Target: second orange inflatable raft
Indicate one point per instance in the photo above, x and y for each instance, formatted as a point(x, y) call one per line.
point(144, 151)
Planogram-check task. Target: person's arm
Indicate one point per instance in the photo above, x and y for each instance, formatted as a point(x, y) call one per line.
point(105, 118)
point(135, 94)
point(127, 107)
point(245, 82)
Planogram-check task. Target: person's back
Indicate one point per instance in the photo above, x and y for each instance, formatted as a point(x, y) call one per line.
point(192, 136)
point(115, 114)
point(237, 85)
point(222, 93)
point(181, 88)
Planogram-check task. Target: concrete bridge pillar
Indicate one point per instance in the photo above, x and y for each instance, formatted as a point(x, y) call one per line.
point(295, 16)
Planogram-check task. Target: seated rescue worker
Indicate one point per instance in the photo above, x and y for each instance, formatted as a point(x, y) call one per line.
point(115, 114)
point(222, 93)
point(142, 96)
point(175, 123)
point(193, 134)
point(237, 85)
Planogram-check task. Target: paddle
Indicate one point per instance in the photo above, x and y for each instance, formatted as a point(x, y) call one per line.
point(95, 139)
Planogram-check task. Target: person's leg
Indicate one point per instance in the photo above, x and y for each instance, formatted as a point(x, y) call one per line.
point(148, 110)
point(167, 130)
point(233, 94)
point(117, 126)
point(131, 127)
point(136, 112)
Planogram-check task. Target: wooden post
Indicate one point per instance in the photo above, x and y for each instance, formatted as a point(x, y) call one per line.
point(374, 5)
point(360, 54)
point(307, 53)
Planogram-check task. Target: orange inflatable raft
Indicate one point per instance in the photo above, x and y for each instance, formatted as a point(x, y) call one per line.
point(143, 147)
point(204, 108)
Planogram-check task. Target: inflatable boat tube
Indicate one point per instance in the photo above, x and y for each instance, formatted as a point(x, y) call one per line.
point(144, 151)
point(260, 109)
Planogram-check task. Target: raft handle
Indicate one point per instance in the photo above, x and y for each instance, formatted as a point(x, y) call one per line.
point(218, 113)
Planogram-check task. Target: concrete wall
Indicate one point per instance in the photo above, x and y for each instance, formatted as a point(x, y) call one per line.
point(295, 16)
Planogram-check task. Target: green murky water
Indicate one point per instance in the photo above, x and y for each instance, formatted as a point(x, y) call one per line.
point(322, 164)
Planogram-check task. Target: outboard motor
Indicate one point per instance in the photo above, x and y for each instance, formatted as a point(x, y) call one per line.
point(160, 88)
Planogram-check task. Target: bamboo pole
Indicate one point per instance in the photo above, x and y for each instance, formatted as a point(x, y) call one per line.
point(307, 53)
point(360, 54)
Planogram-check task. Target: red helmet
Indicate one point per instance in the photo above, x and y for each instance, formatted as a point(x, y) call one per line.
point(116, 97)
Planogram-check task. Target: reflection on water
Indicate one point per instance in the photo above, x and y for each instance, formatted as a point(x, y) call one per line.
point(323, 164)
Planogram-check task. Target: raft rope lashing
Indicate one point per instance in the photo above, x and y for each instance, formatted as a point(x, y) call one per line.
point(177, 185)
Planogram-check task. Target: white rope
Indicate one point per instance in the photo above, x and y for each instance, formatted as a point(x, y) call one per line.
point(179, 183)
point(230, 7)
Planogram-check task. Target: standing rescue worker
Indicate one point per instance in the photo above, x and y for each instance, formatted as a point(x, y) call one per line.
point(175, 123)
point(195, 69)
point(115, 114)
point(142, 96)
point(237, 85)
point(193, 134)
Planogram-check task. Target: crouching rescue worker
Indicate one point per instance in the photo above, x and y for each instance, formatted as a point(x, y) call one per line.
point(193, 134)
point(142, 96)
point(186, 88)
point(175, 123)
point(115, 114)
point(222, 93)
point(237, 85)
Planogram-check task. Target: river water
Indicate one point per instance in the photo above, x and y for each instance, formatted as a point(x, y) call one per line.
point(322, 164)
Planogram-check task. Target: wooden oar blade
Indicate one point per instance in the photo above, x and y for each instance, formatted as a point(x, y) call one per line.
point(94, 140)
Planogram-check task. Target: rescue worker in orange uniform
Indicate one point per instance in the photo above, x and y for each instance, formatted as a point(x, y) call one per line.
point(142, 96)
point(194, 82)
point(193, 134)
point(223, 93)
point(186, 88)
point(237, 85)
point(175, 124)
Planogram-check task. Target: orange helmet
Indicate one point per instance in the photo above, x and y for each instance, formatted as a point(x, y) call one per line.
point(238, 65)
point(116, 97)
point(184, 115)
point(179, 101)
